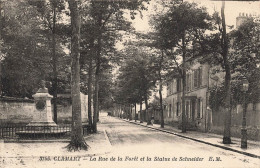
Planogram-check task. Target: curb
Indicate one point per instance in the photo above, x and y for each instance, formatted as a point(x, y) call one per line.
point(106, 136)
point(208, 143)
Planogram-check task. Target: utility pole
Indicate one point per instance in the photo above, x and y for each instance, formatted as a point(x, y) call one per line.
point(244, 129)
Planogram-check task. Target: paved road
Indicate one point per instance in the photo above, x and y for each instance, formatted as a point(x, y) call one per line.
point(132, 142)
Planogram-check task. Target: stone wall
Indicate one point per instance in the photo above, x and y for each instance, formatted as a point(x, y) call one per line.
point(64, 109)
point(252, 119)
point(17, 110)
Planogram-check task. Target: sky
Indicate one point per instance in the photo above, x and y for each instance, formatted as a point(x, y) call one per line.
point(232, 10)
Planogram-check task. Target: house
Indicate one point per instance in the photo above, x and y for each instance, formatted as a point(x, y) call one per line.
point(201, 115)
point(197, 90)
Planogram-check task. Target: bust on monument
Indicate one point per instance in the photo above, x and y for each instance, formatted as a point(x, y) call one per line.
point(42, 88)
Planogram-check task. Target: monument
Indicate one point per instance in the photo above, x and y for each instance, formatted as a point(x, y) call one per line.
point(42, 114)
point(42, 124)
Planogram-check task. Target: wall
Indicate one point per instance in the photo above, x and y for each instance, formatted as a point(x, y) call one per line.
point(15, 110)
point(65, 109)
point(252, 119)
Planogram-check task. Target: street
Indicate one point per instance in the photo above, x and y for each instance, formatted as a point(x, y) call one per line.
point(122, 144)
point(136, 141)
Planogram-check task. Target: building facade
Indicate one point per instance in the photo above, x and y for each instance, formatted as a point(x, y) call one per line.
point(197, 83)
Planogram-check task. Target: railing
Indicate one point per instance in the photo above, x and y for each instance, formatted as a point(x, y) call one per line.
point(17, 131)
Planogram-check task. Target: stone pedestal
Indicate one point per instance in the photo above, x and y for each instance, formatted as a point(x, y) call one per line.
point(42, 114)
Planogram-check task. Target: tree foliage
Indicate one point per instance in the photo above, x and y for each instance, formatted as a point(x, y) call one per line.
point(27, 49)
point(136, 78)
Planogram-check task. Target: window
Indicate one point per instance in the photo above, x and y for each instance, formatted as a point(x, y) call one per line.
point(178, 108)
point(197, 79)
point(188, 82)
point(164, 108)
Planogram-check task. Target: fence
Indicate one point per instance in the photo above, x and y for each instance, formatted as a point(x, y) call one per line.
point(17, 131)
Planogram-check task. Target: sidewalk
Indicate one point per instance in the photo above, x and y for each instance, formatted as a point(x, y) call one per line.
point(42, 153)
point(253, 149)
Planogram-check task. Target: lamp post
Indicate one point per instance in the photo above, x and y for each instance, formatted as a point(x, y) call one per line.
point(245, 84)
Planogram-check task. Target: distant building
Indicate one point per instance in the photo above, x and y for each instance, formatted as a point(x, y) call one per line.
point(244, 17)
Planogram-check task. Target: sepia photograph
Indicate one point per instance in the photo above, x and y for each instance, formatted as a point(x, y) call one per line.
point(129, 84)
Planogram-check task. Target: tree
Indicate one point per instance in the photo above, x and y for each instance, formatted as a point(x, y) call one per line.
point(136, 79)
point(1, 27)
point(26, 57)
point(107, 17)
point(27, 48)
point(181, 26)
point(245, 43)
point(154, 42)
point(218, 43)
point(224, 46)
point(51, 13)
point(244, 60)
point(77, 140)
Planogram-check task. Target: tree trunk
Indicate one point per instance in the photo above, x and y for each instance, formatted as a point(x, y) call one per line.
point(90, 73)
point(135, 113)
point(98, 63)
point(227, 123)
point(160, 92)
point(77, 140)
point(141, 114)
point(184, 129)
point(54, 64)
point(1, 29)
point(131, 112)
point(95, 119)
point(148, 118)
point(161, 104)
point(96, 103)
